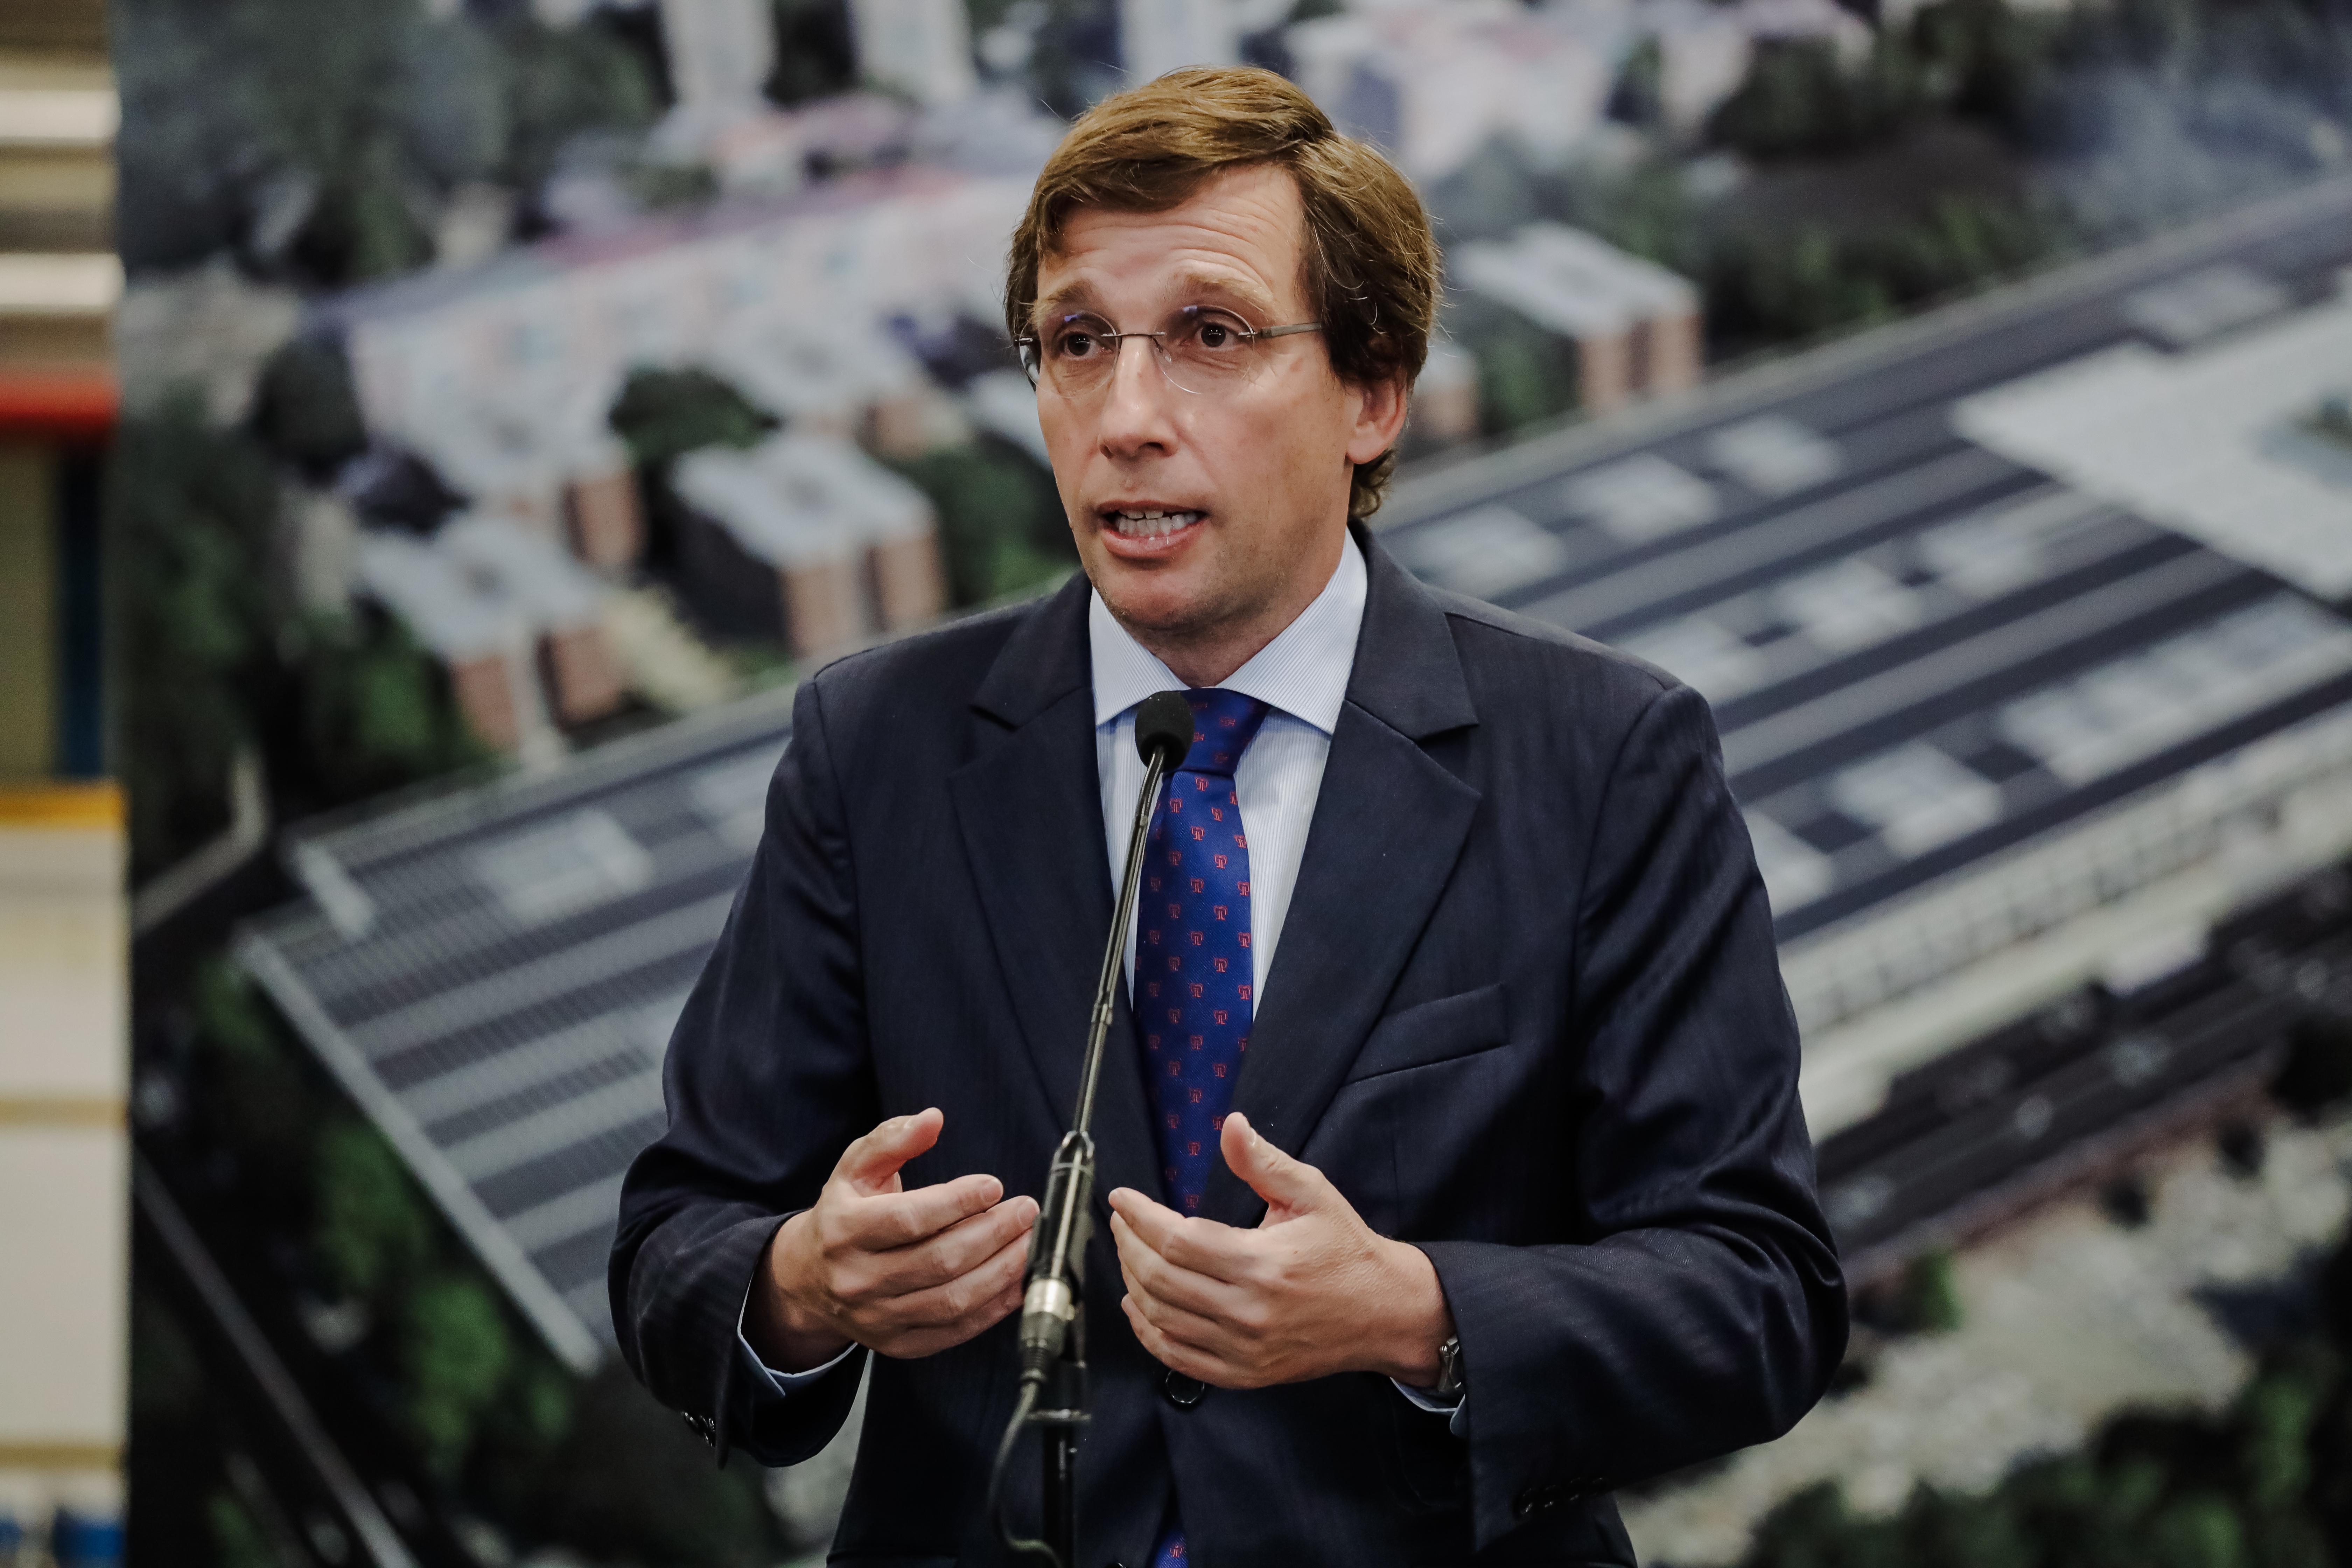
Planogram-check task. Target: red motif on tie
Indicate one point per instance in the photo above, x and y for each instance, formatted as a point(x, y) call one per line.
point(1204, 909)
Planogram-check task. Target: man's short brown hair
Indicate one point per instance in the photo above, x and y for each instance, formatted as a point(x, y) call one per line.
point(1371, 265)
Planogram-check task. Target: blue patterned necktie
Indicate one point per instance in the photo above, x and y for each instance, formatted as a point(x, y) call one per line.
point(1193, 975)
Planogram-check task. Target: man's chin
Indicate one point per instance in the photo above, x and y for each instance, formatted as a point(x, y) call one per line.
point(1156, 606)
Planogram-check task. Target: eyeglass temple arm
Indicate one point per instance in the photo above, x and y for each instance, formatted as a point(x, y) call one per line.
point(1293, 327)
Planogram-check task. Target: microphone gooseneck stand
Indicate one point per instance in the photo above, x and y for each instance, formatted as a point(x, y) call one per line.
point(1053, 1308)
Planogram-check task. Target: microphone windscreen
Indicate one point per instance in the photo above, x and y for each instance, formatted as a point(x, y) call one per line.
point(1163, 721)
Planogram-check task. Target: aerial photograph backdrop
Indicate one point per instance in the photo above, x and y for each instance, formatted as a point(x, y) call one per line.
point(436, 438)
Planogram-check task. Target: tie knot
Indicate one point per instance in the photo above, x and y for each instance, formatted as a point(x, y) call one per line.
point(1223, 723)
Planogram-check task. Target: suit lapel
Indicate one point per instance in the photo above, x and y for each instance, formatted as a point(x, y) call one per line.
point(1029, 808)
point(1388, 827)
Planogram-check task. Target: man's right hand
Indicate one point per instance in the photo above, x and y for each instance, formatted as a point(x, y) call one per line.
point(905, 1274)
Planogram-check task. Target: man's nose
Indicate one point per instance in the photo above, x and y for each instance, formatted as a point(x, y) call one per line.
point(1136, 414)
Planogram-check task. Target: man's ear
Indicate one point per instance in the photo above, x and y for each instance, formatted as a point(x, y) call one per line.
point(1379, 417)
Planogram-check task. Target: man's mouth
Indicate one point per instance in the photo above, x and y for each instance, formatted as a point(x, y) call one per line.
point(1151, 524)
point(1148, 531)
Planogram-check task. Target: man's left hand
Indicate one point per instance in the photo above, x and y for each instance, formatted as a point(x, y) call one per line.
point(1313, 1291)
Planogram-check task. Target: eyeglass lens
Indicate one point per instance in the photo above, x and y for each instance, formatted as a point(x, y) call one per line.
point(1201, 349)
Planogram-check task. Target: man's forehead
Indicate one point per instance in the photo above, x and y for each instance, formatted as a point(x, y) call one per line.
point(1239, 236)
point(1182, 283)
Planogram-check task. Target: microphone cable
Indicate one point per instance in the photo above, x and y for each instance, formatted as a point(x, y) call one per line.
point(1021, 1546)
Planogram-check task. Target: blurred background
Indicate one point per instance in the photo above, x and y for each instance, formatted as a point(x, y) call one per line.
point(435, 435)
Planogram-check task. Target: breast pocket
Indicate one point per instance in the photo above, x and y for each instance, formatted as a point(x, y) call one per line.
point(1461, 1024)
point(1403, 1132)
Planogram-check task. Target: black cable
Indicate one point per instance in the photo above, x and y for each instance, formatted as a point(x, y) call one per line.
point(1031, 1386)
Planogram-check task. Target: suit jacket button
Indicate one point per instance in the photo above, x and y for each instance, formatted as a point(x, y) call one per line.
point(1180, 1391)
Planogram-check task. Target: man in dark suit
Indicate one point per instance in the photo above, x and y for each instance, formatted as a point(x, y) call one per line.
point(1454, 1164)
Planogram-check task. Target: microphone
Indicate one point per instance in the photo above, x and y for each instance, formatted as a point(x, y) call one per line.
point(1049, 1304)
point(1053, 1326)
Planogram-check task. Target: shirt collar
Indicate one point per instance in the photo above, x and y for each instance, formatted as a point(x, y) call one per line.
point(1303, 671)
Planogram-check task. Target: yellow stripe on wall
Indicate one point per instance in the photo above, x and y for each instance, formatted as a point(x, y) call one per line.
point(97, 804)
point(59, 1110)
point(60, 1455)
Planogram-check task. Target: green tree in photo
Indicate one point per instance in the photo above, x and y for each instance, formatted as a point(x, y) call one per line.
point(1524, 379)
point(258, 1105)
point(816, 56)
point(1801, 99)
point(214, 660)
point(629, 1482)
point(1931, 1294)
point(193, 518)
point(329, 75)
point(238, 1541)
point(2198, 1531)
point(1985, 60)
point(1001, 527)
point(455, 1352)
point(561, 82)
point(2264, 1484)
point(662, 414)
point(321, 136)
point(305, 408)
point(371, 1226)
point(376, 711)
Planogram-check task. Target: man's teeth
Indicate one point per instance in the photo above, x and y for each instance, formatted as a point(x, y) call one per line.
point(1152, 524)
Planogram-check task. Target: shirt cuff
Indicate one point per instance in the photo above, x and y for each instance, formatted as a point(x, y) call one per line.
point(1424, 1400)
point(783, 1382)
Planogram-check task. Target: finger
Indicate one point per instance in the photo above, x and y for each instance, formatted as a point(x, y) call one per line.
point(955, 1251)
point(890, 1220)
point(913, 1342)
point(1199, 1332)
point(1288, 1185)
point(870, 1164)
point(1155, 1275)
point(1171, 1353)
point(1202, 1246)
point(967, 1298)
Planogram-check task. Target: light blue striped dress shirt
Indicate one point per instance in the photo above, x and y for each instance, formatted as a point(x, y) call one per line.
point(1302, 677)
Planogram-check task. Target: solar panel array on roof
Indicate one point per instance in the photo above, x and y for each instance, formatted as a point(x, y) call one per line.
point(1961, 702)
point(503, 1013)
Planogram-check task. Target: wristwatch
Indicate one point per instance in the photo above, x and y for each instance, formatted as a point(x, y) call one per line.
point(1450, 1379)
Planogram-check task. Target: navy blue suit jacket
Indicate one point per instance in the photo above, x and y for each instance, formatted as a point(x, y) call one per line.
point(1526, 1013)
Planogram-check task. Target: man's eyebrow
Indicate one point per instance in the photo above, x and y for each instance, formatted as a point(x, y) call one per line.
point(1074, 295)
point(1188, 284)
point(1222, 285)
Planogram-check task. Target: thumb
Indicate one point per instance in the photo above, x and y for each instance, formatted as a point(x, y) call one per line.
point(1286, 1184)
point(871, 1164)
